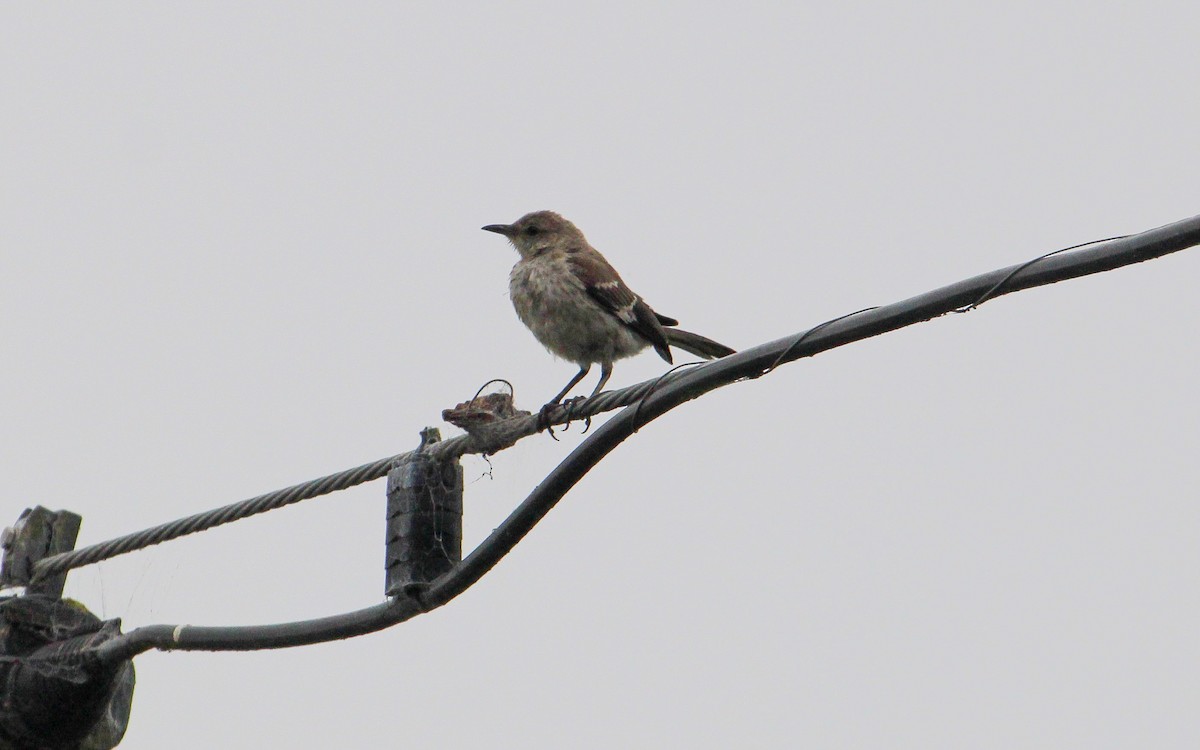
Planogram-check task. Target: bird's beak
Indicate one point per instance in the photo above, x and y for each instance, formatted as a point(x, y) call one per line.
point(504, 229)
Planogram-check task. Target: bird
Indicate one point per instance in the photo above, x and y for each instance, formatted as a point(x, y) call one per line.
point(579, 307)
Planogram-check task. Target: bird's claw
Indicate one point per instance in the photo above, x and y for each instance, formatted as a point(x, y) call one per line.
point(570, 404)
point(543, 420)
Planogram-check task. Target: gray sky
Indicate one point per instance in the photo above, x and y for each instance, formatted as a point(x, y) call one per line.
point(241, 249)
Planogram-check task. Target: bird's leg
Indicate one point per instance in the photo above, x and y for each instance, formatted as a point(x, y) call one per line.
point(605, 373)
point(544, 414)
point(583, 371)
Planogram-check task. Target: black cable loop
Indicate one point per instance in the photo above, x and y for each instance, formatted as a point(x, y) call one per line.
point(1002, 282)
point(801, 338)
point(637, 411)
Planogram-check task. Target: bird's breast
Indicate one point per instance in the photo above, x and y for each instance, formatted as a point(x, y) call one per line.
point(543, 288)
point(554, 304)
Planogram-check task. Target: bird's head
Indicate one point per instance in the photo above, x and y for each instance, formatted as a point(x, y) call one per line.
point(539, 231)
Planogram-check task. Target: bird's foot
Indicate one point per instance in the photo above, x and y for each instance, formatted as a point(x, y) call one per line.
point(543, 420)
point(570, 404)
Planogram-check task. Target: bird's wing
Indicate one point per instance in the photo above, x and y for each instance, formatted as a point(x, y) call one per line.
point(605, 285)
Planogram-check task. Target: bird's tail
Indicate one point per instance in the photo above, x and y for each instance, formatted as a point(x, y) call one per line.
point(696, 344)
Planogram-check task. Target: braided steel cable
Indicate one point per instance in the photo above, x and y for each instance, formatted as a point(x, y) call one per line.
point(455, 447)
point(208, 519)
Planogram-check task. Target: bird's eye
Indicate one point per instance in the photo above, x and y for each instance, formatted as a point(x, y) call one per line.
point(531, 230)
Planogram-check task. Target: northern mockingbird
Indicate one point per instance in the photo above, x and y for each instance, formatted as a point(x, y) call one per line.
point(577, 305)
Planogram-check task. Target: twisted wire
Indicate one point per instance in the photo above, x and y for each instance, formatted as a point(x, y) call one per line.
point(455, 447)
point(208, 519)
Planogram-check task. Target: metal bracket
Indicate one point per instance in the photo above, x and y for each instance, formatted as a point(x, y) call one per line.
point(38, 533)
